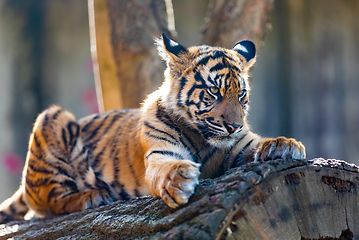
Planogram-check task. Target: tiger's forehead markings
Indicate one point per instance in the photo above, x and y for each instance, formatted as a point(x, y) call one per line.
point(205, 54)
point(219, 69)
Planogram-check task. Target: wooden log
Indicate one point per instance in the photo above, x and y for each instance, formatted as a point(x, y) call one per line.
point(316, 199)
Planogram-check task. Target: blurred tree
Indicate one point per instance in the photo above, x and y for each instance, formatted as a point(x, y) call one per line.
point(28, 25)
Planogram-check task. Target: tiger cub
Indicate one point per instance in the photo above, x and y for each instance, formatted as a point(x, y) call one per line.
point(194, 126)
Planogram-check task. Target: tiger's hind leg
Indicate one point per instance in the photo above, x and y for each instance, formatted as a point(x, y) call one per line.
point(57, 177)
point(14, 208)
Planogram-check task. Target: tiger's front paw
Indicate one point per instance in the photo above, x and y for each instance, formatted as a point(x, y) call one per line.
point(179, 183)
point(280, 147)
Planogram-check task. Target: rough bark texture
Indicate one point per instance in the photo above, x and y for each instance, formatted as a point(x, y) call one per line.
point(229, 21)
point(316, 199)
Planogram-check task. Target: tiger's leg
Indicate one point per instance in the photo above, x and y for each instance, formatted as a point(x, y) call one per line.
point(14, 208)
point(171, 178)
point(57, 177)
point(251, 147)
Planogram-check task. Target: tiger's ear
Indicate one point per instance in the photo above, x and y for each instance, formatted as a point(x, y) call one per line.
point(171, 47)
point(248, 50)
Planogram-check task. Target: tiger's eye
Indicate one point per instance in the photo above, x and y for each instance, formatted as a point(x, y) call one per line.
point(214, 90)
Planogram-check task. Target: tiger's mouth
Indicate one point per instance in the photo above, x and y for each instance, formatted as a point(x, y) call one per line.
point(217, 132)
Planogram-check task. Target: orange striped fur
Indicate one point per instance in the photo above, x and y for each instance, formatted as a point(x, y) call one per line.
point(194, 126)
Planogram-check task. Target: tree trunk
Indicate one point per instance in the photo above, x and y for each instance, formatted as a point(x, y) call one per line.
point(229, 21)
point(278, 199)
point(122, 44)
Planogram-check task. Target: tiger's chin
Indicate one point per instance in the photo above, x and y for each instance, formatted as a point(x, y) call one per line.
point(222, 141)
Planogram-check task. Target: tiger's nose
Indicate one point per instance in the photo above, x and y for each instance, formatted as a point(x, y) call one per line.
point(231, 127)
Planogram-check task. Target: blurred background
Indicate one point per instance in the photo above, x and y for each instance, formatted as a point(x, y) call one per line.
point(305, 83)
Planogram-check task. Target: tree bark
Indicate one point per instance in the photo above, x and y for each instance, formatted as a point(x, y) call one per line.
point(316, 199)
point(123, 47)
point(229, 21)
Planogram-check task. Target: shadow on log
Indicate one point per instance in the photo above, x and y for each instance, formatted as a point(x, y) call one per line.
point(316, 199)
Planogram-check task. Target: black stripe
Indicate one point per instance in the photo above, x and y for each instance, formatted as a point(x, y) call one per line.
point(29, 195)
point(12, 209)
point(117, 135)
point(164, 117)
point(53, 193)
point(39, 154)
point(228, 77)
point(89, 124)
point(21, 200)
point(201, 95)
point(147, 124)
point(60, 170)
point(98, 158)
point(64, 137)
point(210, 121)
point(38, 169)
point(109, 126)
point(121, 191)
point(70, 184)
point(239, 160)
point(215, 128)
point(46, 119)
point(225, 159)
point(67, 195)
point(95, 131)
point(190, 102)
point(200, 112)
point(74, 130)
point(166, 153)
point(179, 93)
point(137, 193)
point(38, 183)
point(123, 194)
point(100, 184)
point(36, 141)
point(198, 77)
point(204, 61)
point(127, 157)
point(56, 114)
point(116, 168)
point(218, 54)
point(218, 67)
point(50, 149)
point(80, 154)
point(212, 81)
point(160, 138)
point(207, 157)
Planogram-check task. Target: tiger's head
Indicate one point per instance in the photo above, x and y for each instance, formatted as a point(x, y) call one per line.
point(208, 86)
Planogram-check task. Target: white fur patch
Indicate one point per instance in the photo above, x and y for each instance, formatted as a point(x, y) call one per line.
point(241, 48)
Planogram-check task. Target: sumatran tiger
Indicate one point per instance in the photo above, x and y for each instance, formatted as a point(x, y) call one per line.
point(194, 126)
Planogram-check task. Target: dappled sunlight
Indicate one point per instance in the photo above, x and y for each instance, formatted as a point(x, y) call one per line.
point(6, 230)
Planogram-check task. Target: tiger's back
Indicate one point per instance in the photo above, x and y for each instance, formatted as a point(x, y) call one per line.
point(193, 127)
